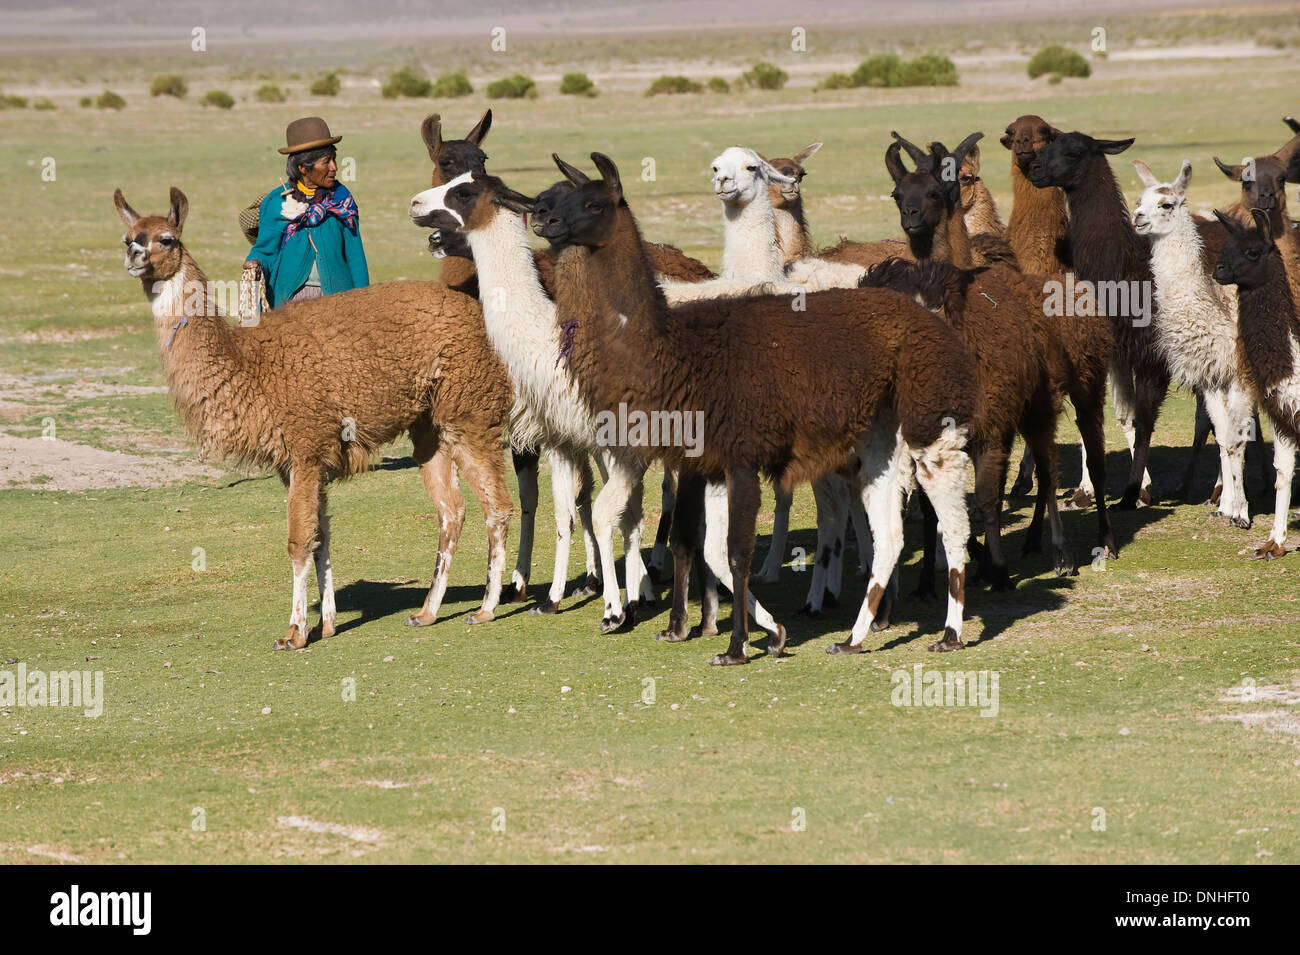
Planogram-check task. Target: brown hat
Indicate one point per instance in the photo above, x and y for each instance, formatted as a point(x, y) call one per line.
point(310, 132)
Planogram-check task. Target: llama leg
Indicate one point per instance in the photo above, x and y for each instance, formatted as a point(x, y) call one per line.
point(564, 481)
point(526, 474)
point(591, 586)
point(438, 470)
point(324, 572)
point(640, 588)
point(941, 471)
point(485, 473)
point(1265, 470)
point(1137, 413)
point(716, 526)
point(304, 508)
point(835, 573)
point(1024, 482)
point(1044, 443)
point(770, 572)
point(1091, 422)
point(990, 478)
point(683, 538)
point(666, 494)
point(606, 514)
point(1086, 492)
point(713, 555)
point(1199, 437)
point(881, 491)
point(744, 493)
point(830, 514)
point(1284, 464)
point(861, 530)
point(1230, 410)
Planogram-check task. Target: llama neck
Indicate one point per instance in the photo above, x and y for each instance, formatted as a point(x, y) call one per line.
point(1176, 259)
point(1102, 241)
point(983, 218)
point(1266, 318)
point(792, 237)
point(1038, 223)
point(750, 250)
point(949, 242)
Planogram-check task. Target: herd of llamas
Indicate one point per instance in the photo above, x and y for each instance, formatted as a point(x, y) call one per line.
point(872, 369)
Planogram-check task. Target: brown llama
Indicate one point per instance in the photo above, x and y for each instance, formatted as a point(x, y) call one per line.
point(1039, 217)
point(1269, 336)
point(791, 393)
point(1019, 387)
point(793, 235)
point(977, 205)
point(1109, 255)
point(318, 387)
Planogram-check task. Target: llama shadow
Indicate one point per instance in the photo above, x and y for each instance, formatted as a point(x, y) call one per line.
point(380, 599)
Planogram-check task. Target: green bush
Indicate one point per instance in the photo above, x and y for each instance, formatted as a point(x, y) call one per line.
point(451, 85)
point(835, 81)
point(168, 85)
point(44, 104)
point(86, 102)
point(673, 84)
point(327, 85)
point(110, 100)
point(882, 70)
point(13, 102)
point(1057, 59)
point(928, 70)
point(408, 81)
point(577, 84)
point(517, 86)
point(269, 93)
point(218, 98)
point(717, 84)
point(764, 76)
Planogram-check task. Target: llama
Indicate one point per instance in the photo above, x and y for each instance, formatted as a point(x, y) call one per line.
point(1037, 230)
point(524, 327)
point(318, 387)
point(793, 236)
point(1267, 348)
point(790, 393)
point(1109, 255)
point(1196, 329)
point(978, 208)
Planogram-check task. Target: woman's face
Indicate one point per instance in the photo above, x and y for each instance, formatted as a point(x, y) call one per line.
point(320, 175)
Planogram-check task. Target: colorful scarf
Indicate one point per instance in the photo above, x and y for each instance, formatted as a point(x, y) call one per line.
point(323, 203)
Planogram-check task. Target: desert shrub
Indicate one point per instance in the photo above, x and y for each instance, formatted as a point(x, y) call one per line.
point(269, 93)
point(929, 69)
point(168, 84)
point(44, 104)
point(110, 100)
point(516, 86)
point(835, 81)
point(577, 84)
point(218, 98)
point(86, 102)
point(408, 81)
point(717, 84)
point(1057, 59)
point(13, 102)
point(327, 85)
point(673, 84)
point(764, 76)
point(451, 85)
point(881, 70)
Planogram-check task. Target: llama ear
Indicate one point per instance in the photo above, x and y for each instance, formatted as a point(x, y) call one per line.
point(129, 216)
point(431, 133)
point(894, 162)
point(480, 131)
point(1052, 133)
point(179, 210)
point(772, 174)
point(1232, 172)
point(965, 147)
point(515, 201)
point(609, 173)
point(803, 155)
point(1263, 226)
point(1184, 177)
point(1113, 147)
point(1292, 123)
point(1006, 139)
point(1145, 174)
point(571, 173)
point(1229, 222)
point(974, 157)
point(919, 156)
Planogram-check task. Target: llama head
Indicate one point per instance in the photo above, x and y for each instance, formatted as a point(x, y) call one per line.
point(1026, 137)
point(927, 195)
point(937, 286)
point(1072, 160)
point(586, 213)
point(1250, 257)
point(785, 195)
point(453, 157)
point(153, 243)
point(466, 204)
point(967, 177)
point(1158, 209)
point(741, 175)
point(1263, 182)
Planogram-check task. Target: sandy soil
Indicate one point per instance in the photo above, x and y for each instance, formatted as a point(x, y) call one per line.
point(27, 462)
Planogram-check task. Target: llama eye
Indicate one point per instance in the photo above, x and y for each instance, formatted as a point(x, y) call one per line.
point(1252, 254)
point(752, 168)
point(167, 242)
point(1166, 205)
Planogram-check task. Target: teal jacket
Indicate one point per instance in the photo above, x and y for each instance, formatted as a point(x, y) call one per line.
point(336, 250)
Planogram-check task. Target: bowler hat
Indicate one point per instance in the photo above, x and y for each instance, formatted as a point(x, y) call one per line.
point(310, 132)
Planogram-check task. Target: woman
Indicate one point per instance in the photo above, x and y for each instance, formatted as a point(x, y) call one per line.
point(308, 232)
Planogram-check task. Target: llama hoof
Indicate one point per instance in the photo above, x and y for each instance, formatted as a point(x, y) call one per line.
point(1242, 522)
point(1065, 565)
point(515, 594)
point(479, 616)
point(997, 578)
point(295, 639)
point(418, 620)
point(949, 642)
point(1147, 497)
point(847, 647)
point(321, 631)
point(1022, 488)
point(675, 636)
point(547, 608)
point(1129, 502)
point(590, 588)
point(776, 642)
point(879, 624)
point(703, 631)
point(613, 624)
point(728, 660)
point(1270, 551)
point(807, 611)
point(1080, 500)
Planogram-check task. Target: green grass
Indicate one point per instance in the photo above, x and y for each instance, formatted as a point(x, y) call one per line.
point(1110, 682)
